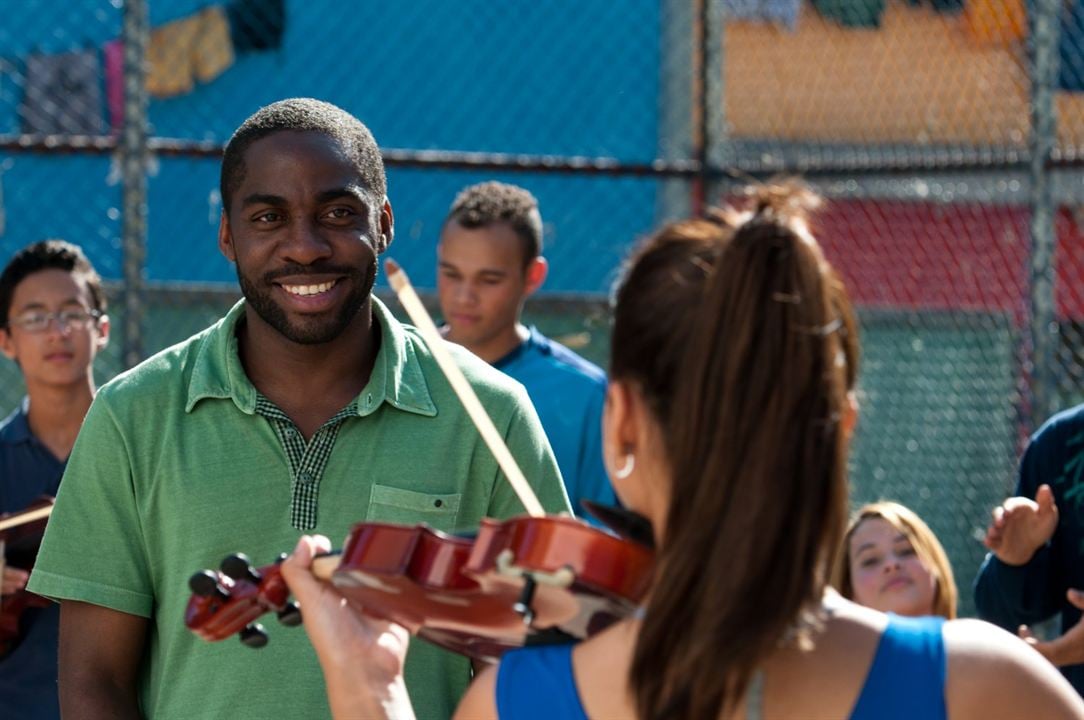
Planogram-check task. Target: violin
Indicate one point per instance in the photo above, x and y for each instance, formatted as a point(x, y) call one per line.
point(20, 537)
point(522, 581)
point(527, 580)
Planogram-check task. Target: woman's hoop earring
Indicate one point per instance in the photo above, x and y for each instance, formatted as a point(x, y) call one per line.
point(626, 467)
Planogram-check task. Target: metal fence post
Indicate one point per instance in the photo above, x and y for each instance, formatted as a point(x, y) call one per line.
point(676, 91)
point(133, 159)
point(1042, 322)
point(716, 153)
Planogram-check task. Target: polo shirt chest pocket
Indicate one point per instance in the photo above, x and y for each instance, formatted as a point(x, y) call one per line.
point(410, 507)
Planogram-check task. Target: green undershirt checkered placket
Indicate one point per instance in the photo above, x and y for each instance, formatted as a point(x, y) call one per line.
point(307, 460)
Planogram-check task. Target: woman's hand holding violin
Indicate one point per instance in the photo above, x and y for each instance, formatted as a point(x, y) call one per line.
point(362, 656)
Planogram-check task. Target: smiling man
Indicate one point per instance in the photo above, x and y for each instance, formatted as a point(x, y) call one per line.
point(54, 324)
point(307, 408)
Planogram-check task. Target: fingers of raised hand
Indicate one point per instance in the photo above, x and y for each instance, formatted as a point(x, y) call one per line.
point(1018, 506)
point(1044, 498)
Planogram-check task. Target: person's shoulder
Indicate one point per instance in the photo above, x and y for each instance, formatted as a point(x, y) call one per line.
point(562, 359)
point(164, 371)
point(1066, 422)
point(484, 378)
point(479, 702)
point(994, 674)
point(10, 424)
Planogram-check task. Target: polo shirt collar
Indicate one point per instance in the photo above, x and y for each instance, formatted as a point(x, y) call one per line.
point(397, 377)
point(17, 430)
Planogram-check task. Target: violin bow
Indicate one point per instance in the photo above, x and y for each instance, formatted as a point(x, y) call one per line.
point(399, 282)
point(26, 517)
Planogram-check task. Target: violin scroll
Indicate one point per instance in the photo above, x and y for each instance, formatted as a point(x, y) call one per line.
point(227, 602)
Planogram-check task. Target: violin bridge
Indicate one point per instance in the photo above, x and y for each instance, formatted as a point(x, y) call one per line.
point(560, 578)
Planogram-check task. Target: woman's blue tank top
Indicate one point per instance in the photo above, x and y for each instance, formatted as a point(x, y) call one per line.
point(905, 680)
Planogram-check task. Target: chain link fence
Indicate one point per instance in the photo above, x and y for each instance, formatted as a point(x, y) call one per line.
point(944, 133)
point(947, 135)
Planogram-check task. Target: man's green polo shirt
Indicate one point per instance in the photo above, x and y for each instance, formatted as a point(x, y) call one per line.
point(175, 468)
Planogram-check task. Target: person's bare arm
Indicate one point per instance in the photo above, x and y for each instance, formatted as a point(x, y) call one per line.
point(480, 700)
point(100, 652)
point(993, 675)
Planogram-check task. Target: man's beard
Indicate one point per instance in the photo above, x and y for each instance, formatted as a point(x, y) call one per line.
point(316, 329)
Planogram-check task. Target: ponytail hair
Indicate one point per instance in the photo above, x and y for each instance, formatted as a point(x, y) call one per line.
point(741, 338)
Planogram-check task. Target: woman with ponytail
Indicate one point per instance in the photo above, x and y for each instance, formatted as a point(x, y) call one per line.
point(729, 410)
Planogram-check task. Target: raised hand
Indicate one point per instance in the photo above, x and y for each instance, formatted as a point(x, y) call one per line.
point(1021, 526)
point(362, 656)
point(1068, 648)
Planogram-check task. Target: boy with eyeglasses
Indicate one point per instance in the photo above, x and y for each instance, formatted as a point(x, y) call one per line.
point(54, 323)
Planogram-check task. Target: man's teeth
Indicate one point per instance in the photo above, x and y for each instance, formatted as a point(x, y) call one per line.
point(308, 289)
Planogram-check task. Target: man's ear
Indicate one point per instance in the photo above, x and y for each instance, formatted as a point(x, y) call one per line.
point(620, 423)
point(6, 345)
point(225, 238)
point(387, 226)
point(537, 270)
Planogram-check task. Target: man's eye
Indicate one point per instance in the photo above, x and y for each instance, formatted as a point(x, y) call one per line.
point(340, 213)
point(267, 217)
point(34, 319)
point(74, 316)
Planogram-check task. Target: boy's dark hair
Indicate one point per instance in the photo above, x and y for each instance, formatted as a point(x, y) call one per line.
point(487, 203)
point(303, 115)
point(49, 255)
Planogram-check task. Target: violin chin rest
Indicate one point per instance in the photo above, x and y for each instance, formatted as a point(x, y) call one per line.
point(625, 523)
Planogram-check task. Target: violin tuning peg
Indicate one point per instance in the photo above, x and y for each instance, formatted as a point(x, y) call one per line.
point(290, 615)
point(205, 584)
point(254, 636)
point(239, 567)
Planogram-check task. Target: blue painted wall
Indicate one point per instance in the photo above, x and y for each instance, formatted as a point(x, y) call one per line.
point(564, 78)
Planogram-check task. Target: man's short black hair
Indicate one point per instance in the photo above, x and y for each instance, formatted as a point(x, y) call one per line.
point(487, 203)
point(303, 115)
point(48, 255)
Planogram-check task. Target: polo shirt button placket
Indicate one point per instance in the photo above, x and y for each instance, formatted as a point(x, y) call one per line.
point(305, 477)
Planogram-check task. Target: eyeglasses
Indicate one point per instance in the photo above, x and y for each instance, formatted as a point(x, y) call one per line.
point(36, 321)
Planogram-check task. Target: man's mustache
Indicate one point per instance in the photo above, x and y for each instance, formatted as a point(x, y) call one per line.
point(296, 271)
